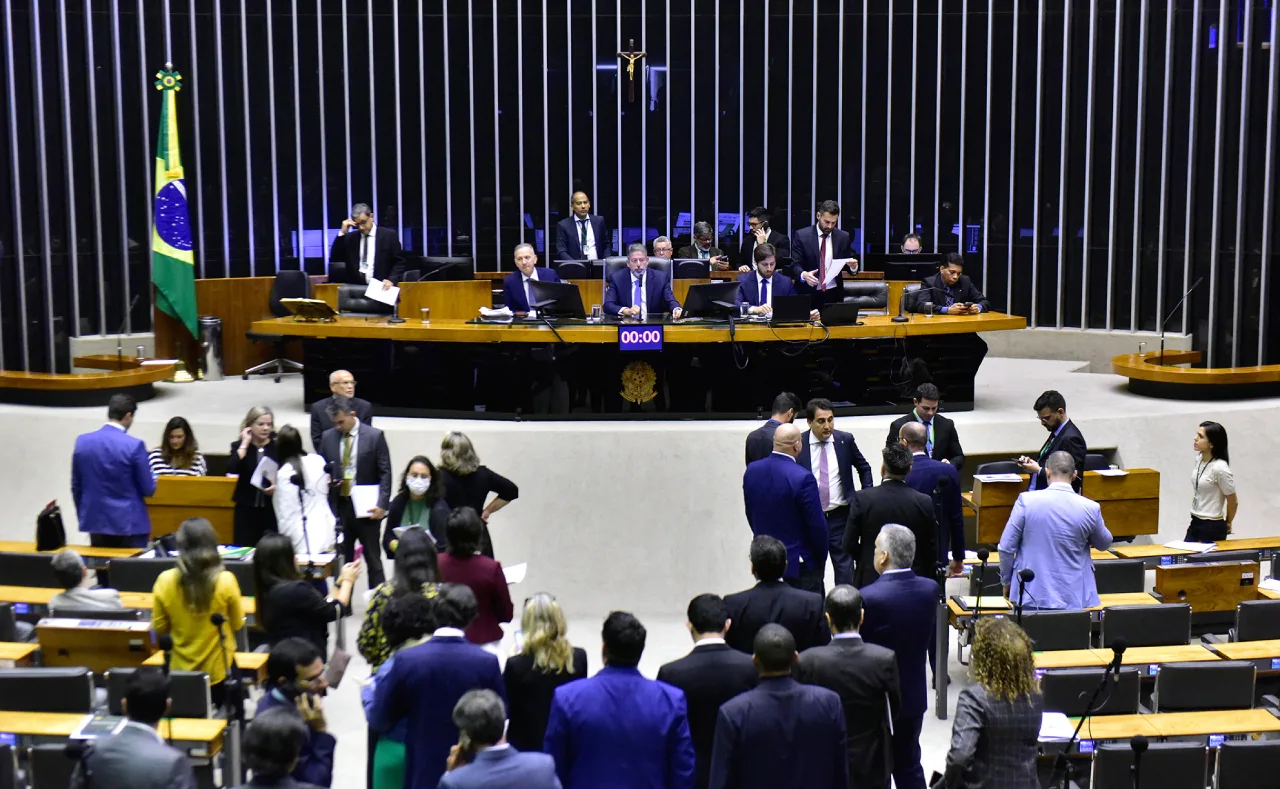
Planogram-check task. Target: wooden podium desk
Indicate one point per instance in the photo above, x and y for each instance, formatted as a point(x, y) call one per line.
point(38, 598)
point(185, 733)
point(1130, 504)
point(93, 556)
point(1157, 554)
point(1069, 658)
point(98, 645)
point(1148, 656)
point(1210, 586)
point(959, 617)
point(179, 498)
point(251, 663)
point(21, 653)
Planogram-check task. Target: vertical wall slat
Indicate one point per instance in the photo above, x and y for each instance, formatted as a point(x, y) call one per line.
point(1035, 216)
point(148, 155)
point(888, 130)
point(617, 114)
point(1112, 208)
point(400, 217)
point(1088, 167)
point(222, 131)
point(1013, 147)
point(199, 157)
point(1192, 115)
point(986, 154)
point(43, 171)
point(1268, 189)
point(964, 83)
point(644, 123)
point(68, 168)
point(297, 136)
point(1162, 235)
point(346, 101)
point(915, 92)
point(248, 149)
point(742, 113)
point(91, 87)
point(448, 133)
point(497, 154)
point(937, 143)
point(121, 197)
point(839, 120)
point(546, 141)
point(374, 200)
point(1242, 178)
point(422, 125)
point(1216, 228)
point(766, 64)
point(520, 102)
point(693, 141)
point(862, 119)
point(1139, 147)
point(324, 152)
point(16, 187)
point(1062, 163)
point(595, 127)
point(275, 164)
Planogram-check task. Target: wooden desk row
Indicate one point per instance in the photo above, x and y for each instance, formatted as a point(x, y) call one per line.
point(1155, 554)
point(958, 616)
point(1130, 503)
point(1133, 656)
point(1179, 724)
point(252, 663)
point(185, 733)
point(39, 597)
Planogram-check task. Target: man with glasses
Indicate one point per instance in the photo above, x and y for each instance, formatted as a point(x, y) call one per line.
point(662, 248)
point(342, 384)
point(371, 253)
point(296, 683)
point(1064, 436)
point(704, 248)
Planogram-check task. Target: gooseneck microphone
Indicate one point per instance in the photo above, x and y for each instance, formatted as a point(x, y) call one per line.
point(1168, 317)
point(1139, 746)
point(1117, 657)
point(983, 555)
point(1026, 576)
point(165, 643)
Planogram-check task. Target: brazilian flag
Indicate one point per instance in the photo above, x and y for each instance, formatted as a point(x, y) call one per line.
point(172, 262)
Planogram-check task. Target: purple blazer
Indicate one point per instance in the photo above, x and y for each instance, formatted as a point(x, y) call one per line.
point(110, 477)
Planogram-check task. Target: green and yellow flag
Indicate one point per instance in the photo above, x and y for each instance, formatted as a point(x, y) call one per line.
point(172, 262)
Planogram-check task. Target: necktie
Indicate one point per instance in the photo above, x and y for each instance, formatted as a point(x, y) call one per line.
point(582, 226)
point(704, 253)
point(346, 463)
point(637, 296)
point(764, 291)
point(824, 477)
point(364, 255)
point(928, 444)
point(528, 297)
point(822, 263)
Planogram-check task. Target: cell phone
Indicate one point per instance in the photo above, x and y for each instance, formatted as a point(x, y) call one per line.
point(359, 553)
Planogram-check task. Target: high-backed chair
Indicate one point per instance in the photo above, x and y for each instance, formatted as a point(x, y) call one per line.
point(997, 467)
point(1095, 462)
point(1166, 765)
point(870, 296)
point(441, 268)
point(691, 269)
point(1257, 620)
point(990, 580)
point(137, 574)
point(1147, 625)
point(287, 285)
point(1222, 556)
point(614, 264)
point(47, 689)
point(1205, 685)
point(572, 269)
point(122, 615)
point(8, 623)
point(1052, 630)
point(1251, 764)
point(49, 767)
point(1116, 576)
point(189, 691)
point(28, 569)
point(8, 767)
point(1068, 691)
point(352, 301)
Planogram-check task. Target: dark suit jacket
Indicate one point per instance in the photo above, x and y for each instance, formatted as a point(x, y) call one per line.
point(137, 759)
point(929, 475)
point(388, 256)
point(506, 768)
point(691, 252)
point(900, 612)
point(569, 243)
point(709, 675)
point(774, 602)
point(1070, 440)
point(891, 502)
point(946, 443)
point(437, 520)
point(373, 461)
point(760, 441)
point(749, 287)
point(513, 288)
point(847, 457)
point(805, 258)
point(423, 685)
point(315, 761)
point(747, 254)
point(658, 297)
point(781, 734)
point(529, 694)
point(963, 290)
point(321, 422)
point(866, 678)
point(781, 499)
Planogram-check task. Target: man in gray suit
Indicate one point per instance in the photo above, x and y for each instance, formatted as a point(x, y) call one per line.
point(137, 757)
point(482, 757)
point(357, 454)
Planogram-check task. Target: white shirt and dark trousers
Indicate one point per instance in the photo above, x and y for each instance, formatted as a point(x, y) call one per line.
point(835, 503)
point(1214, 483)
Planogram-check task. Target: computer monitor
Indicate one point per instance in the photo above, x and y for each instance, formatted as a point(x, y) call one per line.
point(557, 299)
point(711, 299)
point(905, 267)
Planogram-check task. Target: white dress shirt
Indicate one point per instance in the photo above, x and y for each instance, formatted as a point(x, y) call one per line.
point(835, 486)
point(589, 248)
point(706, 642)
point(448, 632)
point(759, 283)
point(367, 249)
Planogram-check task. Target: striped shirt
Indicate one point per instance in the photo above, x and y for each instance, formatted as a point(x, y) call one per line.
point(159, 468)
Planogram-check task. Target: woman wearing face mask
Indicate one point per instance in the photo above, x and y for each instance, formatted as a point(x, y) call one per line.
point(254, 513)
point(419, 502)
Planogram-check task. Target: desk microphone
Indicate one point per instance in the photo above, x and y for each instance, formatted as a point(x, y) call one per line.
point(1194, 285)
point(901, 317)
point(166, 644)
point(1117, 649)
point(1139, 746)
point(1026, 576)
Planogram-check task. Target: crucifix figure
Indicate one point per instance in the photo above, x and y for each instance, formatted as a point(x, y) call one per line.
point(632, 56)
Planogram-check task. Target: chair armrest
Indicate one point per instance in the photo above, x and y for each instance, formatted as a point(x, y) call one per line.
point(1218, 638)
point(1271, 704)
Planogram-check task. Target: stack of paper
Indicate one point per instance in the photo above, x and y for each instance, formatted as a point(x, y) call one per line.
point(388, 296)
point(998, 477)
point(501, 312)
point(1112, 472)
point(364, 498)
point(1271, 584)
point(1197, 547)
point(264, 476)
point(1055, 726)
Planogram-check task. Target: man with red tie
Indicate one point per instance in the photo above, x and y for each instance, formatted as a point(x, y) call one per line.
point(832, 456)
point(820, 252)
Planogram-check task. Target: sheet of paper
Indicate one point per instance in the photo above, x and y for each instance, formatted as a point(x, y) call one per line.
point(266, 470)
point(838, 266)
point(998, 477)
point(516, 572)
point(1198, 547)
point(388, 296)
point(1055, 726)
point(1112, 472)
point(989, 602)
point(501, 312)
point(363, 499)
point(1272, 584)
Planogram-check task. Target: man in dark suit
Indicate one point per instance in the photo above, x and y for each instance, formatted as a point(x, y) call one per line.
point(138, 756)
point(1064, 436)
point(950, 291)
point(516, 290)
point(582, 236)
point(704, 248)
point(295, 685)
point(940, 482)
point(759, 232)
point(831, 456)
point(901, 609)
point(758, 288)
point(710, 675)
point(482, 759)
point(892, 502)
point(110, 477)
point(942, 442)
point(273, 743)
point(771, 600)
point(782, 501)
point(639, 290)
point(343, 384)
point(426, 682)
point(760, 441)
point(866, 677)
point(373, 253)
point(750, 750)
point(357, 454)
point(820, 252)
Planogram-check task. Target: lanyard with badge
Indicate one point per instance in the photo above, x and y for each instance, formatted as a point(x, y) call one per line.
point(1200, 470)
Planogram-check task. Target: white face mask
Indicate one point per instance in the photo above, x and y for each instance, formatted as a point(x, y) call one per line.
point(418, 485)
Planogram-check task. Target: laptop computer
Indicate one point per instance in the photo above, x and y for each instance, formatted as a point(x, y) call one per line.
point(790, 309)
point(841, 314)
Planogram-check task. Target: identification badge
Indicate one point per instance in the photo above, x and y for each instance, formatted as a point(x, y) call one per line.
point(349, 473)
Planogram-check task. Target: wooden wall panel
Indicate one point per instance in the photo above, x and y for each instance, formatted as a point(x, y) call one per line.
point(238, 301)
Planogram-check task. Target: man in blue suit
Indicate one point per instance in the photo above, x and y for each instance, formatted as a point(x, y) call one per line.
point(110, 477)
point(426, 682)
point(782, 501)
point(826, 451)
point(618, 729)
point(900, 612)
point(781, 733)
point(516, 290)
point(639, 290)
point(819, 252)
point(581, 236)
point(758, 287)
point(941, 482)
point(482, 759)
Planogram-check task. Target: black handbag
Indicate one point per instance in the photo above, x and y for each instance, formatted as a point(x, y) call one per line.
point(50, 533)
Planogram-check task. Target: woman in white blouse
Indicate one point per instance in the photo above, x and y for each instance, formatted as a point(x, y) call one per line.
point(314, 500)
point(1213, 504)
point(178, 454)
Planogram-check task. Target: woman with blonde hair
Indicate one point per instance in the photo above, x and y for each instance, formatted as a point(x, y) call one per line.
point(467, 483)
point(546, 661)
point(997, 728)
point(254, 513)
point(185, 599)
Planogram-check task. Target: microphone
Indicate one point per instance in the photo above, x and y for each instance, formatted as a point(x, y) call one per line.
point(217, 619)
point(1168, 317)
point(166, 644)
point(983, 555)
point(1139, 746)
point(120, 331)
point(902, 301)
point(1026, 576)
point(1117, 649)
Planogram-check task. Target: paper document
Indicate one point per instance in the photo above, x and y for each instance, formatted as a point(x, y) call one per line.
point(1112, 472)
point(266, 470)
point(376, 292)
point(1272, 584)
point(502, 313)
point(837, 268)
point(515, 573)
point(363, 499)
point(989, 603)
point(1055, 726)
point(1198, 547)
point(998, 477)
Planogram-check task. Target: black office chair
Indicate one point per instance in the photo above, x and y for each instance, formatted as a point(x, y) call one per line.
point(287, 285)
point(1068, 691)
point(8, 623)
point(871, 297)
point(411, 275)
point(1147, 625)
point(122, 615)
point(614, 264)
point(47, 689)
point(1223, 556)
point(997, 467)
point(572, 269)
point(49, 767)
point(1257, 620)
point(189, 691)
point(1166, 765)
point(661, 264)
point(137, 575)
point(1095, 462)
point(8, 767)
point(1247, 764)
point(906, 302)
point(352, 301)
point(691, 269)
point(441, 268)
point(1051, 630)
point(28, 569)
point(1116, 576)
point(243, 571)
point(1205, 685)
point(990, 581)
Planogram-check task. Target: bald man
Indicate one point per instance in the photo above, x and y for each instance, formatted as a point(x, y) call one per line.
point(582, 236)
point(782, 501)
point(516, 290)
point(940, 481)
point(343, 384)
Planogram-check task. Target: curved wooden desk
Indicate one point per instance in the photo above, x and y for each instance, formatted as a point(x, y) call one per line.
point(125, 376)
point(1149, 375)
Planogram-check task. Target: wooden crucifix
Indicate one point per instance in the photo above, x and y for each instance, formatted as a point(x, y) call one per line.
point(632, 56)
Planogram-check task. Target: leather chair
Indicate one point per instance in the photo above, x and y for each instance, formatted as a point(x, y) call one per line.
point(1095, 462)
point(49, 767)
point(121, 615)
point(691, 269)
point(616, 264)
point(1052, 630)
point(458, 266)
point(1147, 625)
point(8, 767)
point(1257, 620)
point(1216, 557)
point(412, 275)
point(189, 691)
point(28, 569)
point(1168, 765)
point(47, 689)
point(1116, 576)
point(1068, 691)
point(1205, 685)
point(8, 624)
point(997, 467)
point(352, 301)
point(572, 269)
point(870, 296)
point(1247, 765)
point(287, 285)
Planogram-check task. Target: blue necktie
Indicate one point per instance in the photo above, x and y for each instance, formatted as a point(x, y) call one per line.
point(928, 444)
point(764, 292)
point(637, 297)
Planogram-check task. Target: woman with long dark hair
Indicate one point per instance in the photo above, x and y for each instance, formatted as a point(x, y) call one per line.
point(178, 454)
point(313, 503)
point(468, 483)
point(418, 503)
point(417, 571)
point(1213, 503)
point(288, 604)
point(254, 513)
